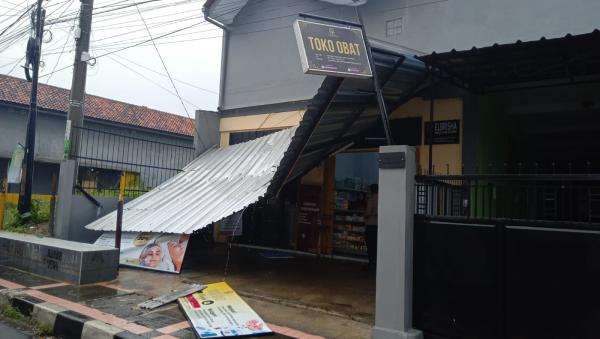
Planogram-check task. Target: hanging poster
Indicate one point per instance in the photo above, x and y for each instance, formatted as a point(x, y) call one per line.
point(14, 168)
point(309, 218)
point(219, 312)
point(153, 251)
point(232, 225)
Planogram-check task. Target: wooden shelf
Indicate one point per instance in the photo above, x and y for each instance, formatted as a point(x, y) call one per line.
point(342, 250)
point(349, 190)
point(344, 222)
point(350, 211)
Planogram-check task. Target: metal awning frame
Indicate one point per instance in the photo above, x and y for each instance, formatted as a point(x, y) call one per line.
point(520, 65)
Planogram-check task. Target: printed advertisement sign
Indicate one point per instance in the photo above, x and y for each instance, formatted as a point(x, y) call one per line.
point(14, 168)
point(444, 132)
point(232, 225)
point(154, 251)
point(218, 312)
point(332, 50)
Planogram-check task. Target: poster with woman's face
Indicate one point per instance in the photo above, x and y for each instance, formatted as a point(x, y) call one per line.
point(155, 251)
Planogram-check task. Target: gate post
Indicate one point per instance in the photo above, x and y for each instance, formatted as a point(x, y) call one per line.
point(66, 178)
point(393, 299)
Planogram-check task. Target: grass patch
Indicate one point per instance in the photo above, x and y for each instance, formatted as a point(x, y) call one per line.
point(14, 317)
point(9, 312)
point(16, 222)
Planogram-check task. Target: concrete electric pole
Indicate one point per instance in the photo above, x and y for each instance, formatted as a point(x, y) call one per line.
point(34, 50)
point(77, 97)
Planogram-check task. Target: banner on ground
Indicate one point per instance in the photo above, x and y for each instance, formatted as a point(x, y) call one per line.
point(154, 251)
point(218, 312)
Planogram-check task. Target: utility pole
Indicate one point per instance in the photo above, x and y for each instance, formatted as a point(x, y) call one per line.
point(77, 97)
point(34, 51)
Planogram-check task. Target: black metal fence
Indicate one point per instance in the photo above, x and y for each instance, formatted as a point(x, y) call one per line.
point(104, 155)
point(564, 197)
point(507, 256)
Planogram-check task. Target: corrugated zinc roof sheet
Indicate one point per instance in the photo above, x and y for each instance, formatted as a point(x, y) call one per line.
point(215, 185)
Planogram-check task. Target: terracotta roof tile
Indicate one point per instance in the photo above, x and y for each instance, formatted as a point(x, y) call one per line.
point(17, 91)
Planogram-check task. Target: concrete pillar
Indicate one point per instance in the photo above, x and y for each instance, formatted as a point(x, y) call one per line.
point(62, 220)
point(393, 309)
point(207, 125)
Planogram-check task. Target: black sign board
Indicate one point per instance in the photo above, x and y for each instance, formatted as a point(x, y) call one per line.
point(444, 132)
point(332, 50)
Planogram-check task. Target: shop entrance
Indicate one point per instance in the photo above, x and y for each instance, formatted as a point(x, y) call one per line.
point(355, 173)
point(321, 213)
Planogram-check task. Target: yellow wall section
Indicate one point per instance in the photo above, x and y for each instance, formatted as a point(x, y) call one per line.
point(13, 198)
point(258, 122)
point(446, 158)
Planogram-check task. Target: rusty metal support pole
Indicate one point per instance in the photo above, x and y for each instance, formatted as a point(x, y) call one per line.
point(53, 189)
point(120, 211)
point(385, 119)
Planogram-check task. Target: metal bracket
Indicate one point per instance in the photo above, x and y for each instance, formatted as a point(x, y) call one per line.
point(167, 298)
point(393, 160)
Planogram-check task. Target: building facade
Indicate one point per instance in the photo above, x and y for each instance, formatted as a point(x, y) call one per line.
point(536, 126)
point(116, 137)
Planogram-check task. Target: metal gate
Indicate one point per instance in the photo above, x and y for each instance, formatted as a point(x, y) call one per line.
point(507, 256)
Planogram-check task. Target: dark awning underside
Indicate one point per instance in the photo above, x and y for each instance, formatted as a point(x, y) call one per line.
point(570, 59)
point(344, 109)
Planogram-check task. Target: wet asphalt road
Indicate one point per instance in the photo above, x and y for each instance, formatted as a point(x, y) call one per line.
point(7, 331)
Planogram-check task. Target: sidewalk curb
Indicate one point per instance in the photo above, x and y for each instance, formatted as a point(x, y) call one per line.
point(65, 323)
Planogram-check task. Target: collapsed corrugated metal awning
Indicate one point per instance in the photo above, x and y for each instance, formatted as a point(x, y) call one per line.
point(224, 181)
point(215, 185)
point(344, 109)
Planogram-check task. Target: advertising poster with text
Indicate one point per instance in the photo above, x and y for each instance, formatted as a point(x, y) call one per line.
point(155, 251)
point(219, 312)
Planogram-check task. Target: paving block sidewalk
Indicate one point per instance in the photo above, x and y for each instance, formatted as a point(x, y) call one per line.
point(99, 310)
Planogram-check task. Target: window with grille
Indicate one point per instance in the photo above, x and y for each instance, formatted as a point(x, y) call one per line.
point(393, 27)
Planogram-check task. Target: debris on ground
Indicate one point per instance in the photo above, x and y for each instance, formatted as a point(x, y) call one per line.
point(167, 298)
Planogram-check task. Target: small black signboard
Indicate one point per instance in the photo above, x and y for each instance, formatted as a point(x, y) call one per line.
point(444, 132)
point(332, 50)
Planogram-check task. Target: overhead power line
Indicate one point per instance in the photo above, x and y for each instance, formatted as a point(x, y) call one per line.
point(18, 19)
point(169, 74)
point(150, 80)
point(164, 75)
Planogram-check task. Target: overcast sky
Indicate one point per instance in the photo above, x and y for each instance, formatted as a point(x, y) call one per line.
point(191, 51)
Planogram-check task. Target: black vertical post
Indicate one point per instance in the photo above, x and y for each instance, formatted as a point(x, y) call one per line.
point(24, 205)
point(380, 100)
point(430, 131)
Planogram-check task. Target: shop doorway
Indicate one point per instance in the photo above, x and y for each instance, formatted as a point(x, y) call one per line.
point(355, 172)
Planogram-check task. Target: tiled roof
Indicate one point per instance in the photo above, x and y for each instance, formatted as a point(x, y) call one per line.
point(16, 91)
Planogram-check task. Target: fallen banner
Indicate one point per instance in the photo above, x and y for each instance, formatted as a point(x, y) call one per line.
point(219, 312)
point(154, 251)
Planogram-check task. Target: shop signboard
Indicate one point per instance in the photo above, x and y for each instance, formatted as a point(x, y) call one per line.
point(444, 132)
point(219, 312)
point(332, 50)
point(153, 251)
